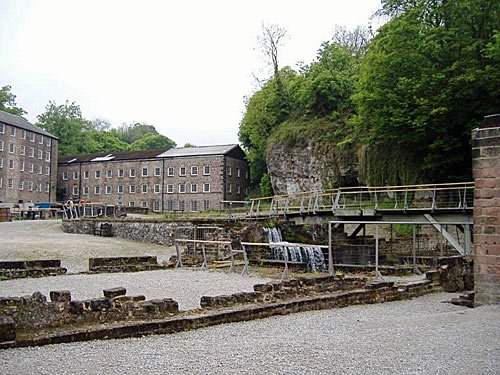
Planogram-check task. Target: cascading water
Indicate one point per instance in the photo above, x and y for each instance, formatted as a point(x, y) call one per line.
point(311, 255)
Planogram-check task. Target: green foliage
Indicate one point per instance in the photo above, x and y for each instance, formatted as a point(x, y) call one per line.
point(265, 185)
point(66, 122)
point(129, 133)
point(427, 80)
point(8, 102)
point(152, 141)
point(105, 141)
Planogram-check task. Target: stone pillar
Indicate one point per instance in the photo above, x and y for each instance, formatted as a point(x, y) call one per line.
point(486, 172)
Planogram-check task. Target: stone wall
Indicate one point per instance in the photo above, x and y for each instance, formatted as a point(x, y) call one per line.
point(486, 171)
point(30, 268)
point(124, 264)
point(35, 312)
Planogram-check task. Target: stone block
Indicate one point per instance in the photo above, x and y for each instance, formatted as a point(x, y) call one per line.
point(76, 307)
point(38, 297)
point(98, 304)
point(7, 329)
point(263, 288)
point(123, 299)
point(114, 292)
point(60, 296)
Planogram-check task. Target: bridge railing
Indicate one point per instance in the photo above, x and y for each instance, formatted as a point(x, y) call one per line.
point(406, 197)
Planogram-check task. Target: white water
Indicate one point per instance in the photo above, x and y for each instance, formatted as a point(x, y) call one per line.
point(311, 255)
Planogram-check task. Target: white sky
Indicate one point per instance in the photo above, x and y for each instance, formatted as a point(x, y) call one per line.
point(182, 66)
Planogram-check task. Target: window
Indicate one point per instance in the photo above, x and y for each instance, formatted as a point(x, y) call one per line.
point(1, 145)
point(47, 187)
point(120, 189)
point(131, 204)
point(206, 170)
point(97, 174)
point(229, 170)
point(144, 188)
point(12, 131)
point(22, 150)
point(194, 188)
point(121, 173)
point(1, 182)
point(157, 171)
point(170, 205)
point(182, 188)
point(97, 190)
point(109, 173)
point(21, 185)
point(12, 148)
point(75, 190)
point(206, 205)
point(194, 171)
point(40, 140)
point(206, 187)
point(75, 175)
point(131, 189)
point(109, 189)
point(182, 206)
point(49, 142)
point(156, 206)
point(30, 169)
point(21, 165)
point(238, 189)
point(144, 172)
point(39, 169)
point(86, 175)
point(144, 204)
point(40, 154)
point(11, 164)
point(39, 187)
point(85, 190)
point(230, 188)
point(31, 152)
point(182, 171)
point(30, 185)
point(157, 188)
point(32, 137)
point(1, 162)
point(238, 172)
point(47, 171)
point(10, 183)
point(23, 134)
point(170, 189)
point(132, 172)
point(47, 156)
point(2, 128)
point(194, 206)
point(170, 171)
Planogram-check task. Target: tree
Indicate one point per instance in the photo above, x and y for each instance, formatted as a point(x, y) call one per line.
point(269, 41)
point(101, 124)
point(424, 84)
point(104, 141)
point(67, 123)
point(8, 102)
point(152, 141)
point(130, 133)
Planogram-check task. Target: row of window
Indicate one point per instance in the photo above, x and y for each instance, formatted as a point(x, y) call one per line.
point(24, 133)
point(145, 172)
point(175, 205)
point(29, 167)
point(22, 151)
point(30, 185)
point(132, 189)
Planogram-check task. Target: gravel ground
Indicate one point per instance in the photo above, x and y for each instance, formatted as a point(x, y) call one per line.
point(183, 285)
point(420, 336)
point(44, 239)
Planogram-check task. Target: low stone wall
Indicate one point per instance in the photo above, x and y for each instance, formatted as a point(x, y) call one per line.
point(30, 268)
point(124, 264)
point(35, 312)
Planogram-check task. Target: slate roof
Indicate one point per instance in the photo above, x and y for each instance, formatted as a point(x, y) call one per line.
point(198, 151)
point(18, 121)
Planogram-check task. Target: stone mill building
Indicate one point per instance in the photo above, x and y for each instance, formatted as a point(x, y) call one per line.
point(180, 179)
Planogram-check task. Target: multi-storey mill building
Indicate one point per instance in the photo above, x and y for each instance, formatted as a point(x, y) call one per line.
point(180, 179)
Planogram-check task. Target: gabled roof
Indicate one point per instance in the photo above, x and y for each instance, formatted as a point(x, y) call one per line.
point(198, 151)
point(109, 156)
point(18, 121)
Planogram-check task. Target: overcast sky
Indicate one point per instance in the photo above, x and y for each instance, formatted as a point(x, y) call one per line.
point(182, 66)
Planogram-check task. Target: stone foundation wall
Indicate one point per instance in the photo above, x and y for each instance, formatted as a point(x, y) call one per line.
point(30, 268)
point(124, 264)
point(486, 171)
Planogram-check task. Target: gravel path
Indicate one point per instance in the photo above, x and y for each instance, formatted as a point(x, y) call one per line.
point(420, 336)
point(44, 239)
point(183, 285)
